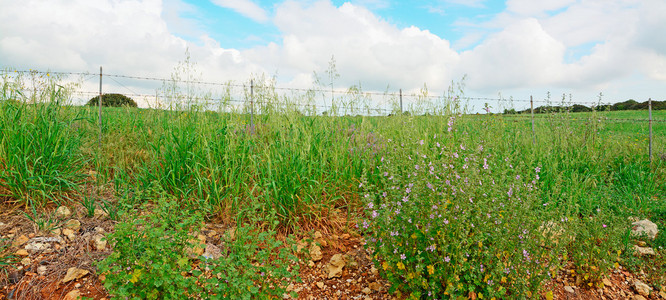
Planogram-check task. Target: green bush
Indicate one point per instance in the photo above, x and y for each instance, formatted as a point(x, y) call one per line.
point(151, 260)
point(113, 100)
point(452, 220)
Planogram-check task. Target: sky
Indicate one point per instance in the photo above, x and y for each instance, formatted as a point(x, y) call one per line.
point(512, 48)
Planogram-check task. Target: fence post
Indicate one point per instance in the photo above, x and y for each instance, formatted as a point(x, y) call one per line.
point(100, 107)
point(650, 125)
point(252, 105)
point(401, 111)
point(532, 113)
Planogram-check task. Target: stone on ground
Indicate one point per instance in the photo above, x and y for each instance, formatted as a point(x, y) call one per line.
point(644, 227)
point(74, 273)
point(335, 266)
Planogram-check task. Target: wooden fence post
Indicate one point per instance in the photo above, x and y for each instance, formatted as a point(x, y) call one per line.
point(650, 125)
point(532, 112)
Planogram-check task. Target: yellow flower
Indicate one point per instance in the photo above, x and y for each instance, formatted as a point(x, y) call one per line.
point(431, 270)
point(401, 266)
point(385, 265)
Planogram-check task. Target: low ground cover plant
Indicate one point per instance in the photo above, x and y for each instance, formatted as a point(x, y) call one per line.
point(154, 257)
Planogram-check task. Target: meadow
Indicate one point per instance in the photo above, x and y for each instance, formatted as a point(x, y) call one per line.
point(450, 204)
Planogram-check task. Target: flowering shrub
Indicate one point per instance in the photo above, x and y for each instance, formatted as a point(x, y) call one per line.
point(453, 220)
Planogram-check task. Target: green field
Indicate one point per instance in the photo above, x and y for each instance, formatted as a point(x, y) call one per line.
point(450, 204)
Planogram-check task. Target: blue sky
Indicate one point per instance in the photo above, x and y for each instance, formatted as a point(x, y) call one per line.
point(513, 48)
point(443, 18)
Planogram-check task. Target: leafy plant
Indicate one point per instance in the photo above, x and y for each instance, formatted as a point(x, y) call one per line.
point(449, 220)
point(152, 259)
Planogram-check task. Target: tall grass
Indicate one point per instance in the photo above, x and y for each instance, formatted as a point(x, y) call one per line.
point(40, 157)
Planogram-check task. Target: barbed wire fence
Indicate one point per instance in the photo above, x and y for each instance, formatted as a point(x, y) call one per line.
point(264, 96)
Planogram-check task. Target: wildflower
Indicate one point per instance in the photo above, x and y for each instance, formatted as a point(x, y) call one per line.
point(401, 266)
point(447, 259)
point(421, 142)
point(431, 269)
point(403, 256)
point(604, 225)
point(446, 221)
point(374, 214)
point(371, 205)
point(462, 147)
point(517, 177)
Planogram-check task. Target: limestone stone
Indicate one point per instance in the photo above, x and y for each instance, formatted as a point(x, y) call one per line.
point(100, 242)
point(315, 253)
point(74, 273)
point(69, 233)
point(73, 224)
point(642, 288)
point(646, 227)
point(212, 252)
point(643, 250)
point(72, 295)
point(26, 261)
point(35, 247)
point(335, 266)
point(19, 241)
point(63, 212)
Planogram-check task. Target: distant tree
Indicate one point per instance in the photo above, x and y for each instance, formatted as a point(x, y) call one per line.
point(580, 108)
point(113, 100)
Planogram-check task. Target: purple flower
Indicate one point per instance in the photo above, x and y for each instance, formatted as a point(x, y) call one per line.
point(403, 256)
point(447, 259)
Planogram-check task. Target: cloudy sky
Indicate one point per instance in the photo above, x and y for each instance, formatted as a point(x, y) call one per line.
point(513, 48)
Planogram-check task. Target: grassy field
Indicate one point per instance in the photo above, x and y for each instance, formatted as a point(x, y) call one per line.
point(450, 204)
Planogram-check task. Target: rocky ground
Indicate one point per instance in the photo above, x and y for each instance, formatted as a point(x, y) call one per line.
point(59, 263)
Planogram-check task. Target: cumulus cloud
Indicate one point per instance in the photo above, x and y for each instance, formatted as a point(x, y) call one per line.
point(525, 48)
point(522, 54)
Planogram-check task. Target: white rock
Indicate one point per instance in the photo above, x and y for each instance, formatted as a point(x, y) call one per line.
point(50, 239)
point(63, 212)
point(35, 247)
point(212, 252)
point(41, 270)
point(642, 288)
point(100, 242)
point(569, 289)
point(644, 227)
point(643, 250)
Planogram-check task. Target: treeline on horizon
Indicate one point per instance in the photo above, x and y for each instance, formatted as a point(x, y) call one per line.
point(630, 104)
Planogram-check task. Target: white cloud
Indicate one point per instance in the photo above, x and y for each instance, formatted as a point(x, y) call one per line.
point(522, 50)
point(246, 8)
point(534, 8)
point(522, 54)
